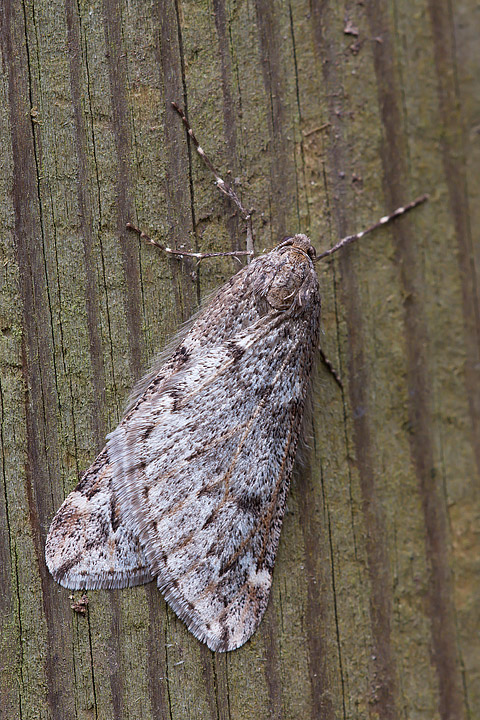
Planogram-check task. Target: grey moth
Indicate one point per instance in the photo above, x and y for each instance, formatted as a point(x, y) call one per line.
point(190, 488)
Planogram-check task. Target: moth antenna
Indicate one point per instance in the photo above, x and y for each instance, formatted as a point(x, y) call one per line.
point(219, 182)
point(383, 221)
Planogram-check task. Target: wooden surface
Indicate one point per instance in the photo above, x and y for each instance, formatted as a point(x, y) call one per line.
point(375, 604)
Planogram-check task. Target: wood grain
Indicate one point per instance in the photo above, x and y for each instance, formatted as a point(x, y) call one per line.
point(375, 604)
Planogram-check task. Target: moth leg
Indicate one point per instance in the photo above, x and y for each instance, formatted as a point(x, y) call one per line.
point(331, 369)
point(183, 253)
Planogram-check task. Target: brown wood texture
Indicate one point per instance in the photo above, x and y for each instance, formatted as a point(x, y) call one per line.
point(328, 115)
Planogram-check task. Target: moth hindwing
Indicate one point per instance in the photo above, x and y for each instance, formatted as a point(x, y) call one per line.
point(190, 488)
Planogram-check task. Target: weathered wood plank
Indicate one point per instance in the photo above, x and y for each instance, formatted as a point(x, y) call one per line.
point(329, 115)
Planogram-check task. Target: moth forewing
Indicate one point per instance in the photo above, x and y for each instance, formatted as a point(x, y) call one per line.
point(88, 545)
point(199, 468)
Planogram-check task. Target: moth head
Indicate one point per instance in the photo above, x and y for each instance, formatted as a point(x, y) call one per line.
point(287, 276)
point(300, 242)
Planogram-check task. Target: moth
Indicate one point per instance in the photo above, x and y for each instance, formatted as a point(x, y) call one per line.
point(190, 488)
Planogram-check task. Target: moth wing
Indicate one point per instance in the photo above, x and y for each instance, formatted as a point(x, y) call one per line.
point(202, 473)
point(88, 546)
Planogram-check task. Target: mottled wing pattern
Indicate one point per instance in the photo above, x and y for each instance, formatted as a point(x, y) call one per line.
point(202, 471)
point(88, 546)
point(200, 466)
